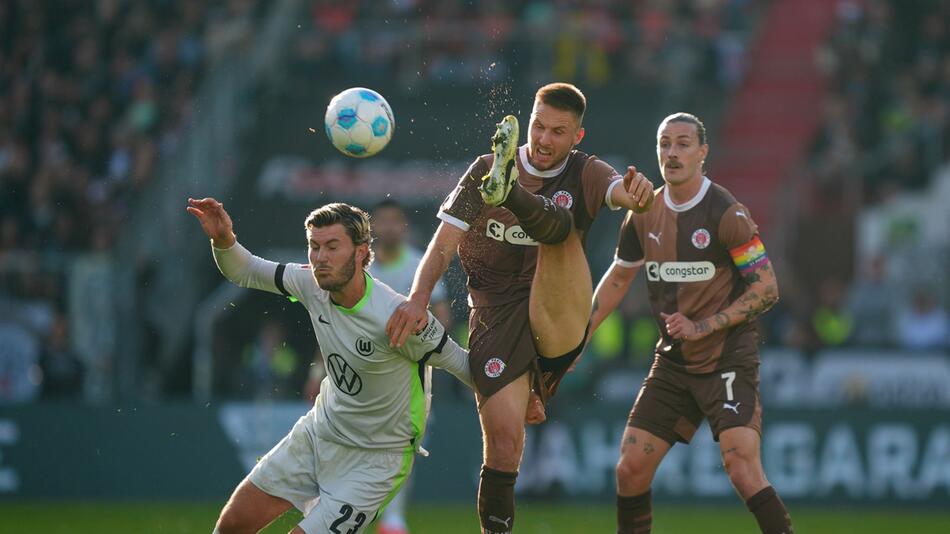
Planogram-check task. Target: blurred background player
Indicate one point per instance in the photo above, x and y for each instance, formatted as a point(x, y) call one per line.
point(708, 277)
point(396, 259)
point(395, 265)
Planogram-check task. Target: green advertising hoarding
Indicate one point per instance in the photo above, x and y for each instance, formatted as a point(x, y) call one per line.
point(185, 451)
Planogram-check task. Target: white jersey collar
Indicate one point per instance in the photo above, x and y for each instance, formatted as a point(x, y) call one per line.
point(523, 154)
point(689, 203)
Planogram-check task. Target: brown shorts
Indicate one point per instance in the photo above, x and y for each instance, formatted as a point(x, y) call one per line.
point(500, 346)
point(672, 403)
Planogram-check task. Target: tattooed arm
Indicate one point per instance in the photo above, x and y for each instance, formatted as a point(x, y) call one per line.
point(610, 291)
point(760, 295)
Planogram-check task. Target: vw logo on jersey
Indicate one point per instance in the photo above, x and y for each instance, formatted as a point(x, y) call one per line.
point(364, 346)
point(701, 238)
point(343, 375)
point(563, 198)
point(494, 367)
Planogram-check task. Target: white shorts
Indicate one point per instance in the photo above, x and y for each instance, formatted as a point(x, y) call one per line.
point(339, 489)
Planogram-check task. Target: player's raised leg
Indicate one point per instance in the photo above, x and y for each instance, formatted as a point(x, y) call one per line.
point(503, 439)
point(640, 456)
point(560, 307)
point(249, 510)
point(740, 447)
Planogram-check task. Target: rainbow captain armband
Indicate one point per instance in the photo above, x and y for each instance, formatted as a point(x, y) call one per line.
point(750, 256)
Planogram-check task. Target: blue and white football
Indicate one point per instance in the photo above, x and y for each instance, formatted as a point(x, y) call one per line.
point(359, 122)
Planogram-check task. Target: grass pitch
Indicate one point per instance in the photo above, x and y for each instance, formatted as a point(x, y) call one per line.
point(57, 517)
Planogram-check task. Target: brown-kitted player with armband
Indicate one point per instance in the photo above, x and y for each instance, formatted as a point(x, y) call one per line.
point(708, 278)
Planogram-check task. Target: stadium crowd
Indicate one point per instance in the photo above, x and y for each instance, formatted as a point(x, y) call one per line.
point(887, 109)
point(92, 100)
point(595, 42)
point(92, 96)
point(885, 132)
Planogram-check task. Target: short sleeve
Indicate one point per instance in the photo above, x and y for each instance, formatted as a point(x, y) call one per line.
point(294, 279)
point(597, 179)
point(739, 233)
point(736, 226)
point(629, 248)
point(464, 203)
point(431, 339)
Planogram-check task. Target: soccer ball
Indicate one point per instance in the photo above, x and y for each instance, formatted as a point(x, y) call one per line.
point(359, 122)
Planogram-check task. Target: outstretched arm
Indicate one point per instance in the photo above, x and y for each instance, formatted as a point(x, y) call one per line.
point(412, 315)
point(234, 261)
point(636, 193)
point(610, 291)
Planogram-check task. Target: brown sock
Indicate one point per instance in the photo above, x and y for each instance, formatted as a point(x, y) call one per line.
point(770, 512)
point(539, 216)
point(496, 501)
point(634, 514)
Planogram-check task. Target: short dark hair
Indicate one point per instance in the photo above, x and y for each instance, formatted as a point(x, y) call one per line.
point(354, 220)
point(563, 96)
point(387, 203)
point(682, 116)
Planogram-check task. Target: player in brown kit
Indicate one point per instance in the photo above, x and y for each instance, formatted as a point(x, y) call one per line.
point(518, 219)
point(708, 277)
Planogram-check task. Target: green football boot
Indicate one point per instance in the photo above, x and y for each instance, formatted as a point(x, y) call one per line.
point(504, 173)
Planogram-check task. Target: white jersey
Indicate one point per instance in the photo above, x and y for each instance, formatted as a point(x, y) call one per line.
point(374, 396)
point(399, 273)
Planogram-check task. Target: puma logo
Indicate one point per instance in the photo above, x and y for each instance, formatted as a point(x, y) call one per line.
point(503, 522)
point(655, 237)
point(734, 408)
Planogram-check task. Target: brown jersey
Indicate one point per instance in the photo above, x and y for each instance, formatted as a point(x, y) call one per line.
point(685, 251)
point(497, 255)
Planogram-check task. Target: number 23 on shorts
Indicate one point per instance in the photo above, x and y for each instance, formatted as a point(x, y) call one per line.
point(345, 512)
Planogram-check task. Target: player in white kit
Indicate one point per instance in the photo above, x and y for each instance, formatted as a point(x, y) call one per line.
point(346, 458)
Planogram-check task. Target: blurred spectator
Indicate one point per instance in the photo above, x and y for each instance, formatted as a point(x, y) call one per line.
point(93, 316)
point(20, 373)
point(62, 370)
point(871, 305)
point(832, 321)
point(923, 325)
